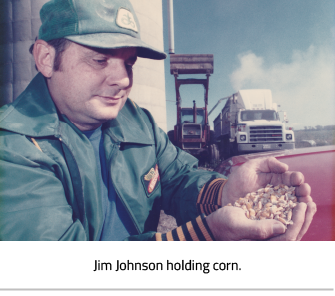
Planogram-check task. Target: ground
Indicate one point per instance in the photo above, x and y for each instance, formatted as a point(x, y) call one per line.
point(168, 223)
point(321, 137)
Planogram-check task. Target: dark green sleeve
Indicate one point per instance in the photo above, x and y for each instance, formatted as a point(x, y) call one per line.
point(33, 204)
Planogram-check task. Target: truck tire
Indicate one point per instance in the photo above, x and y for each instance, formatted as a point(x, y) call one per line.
point(213, 154)
point(170, 135)
point(217, 153)
point(212, 137)
point(225, 148)
point(233, 149)
point(210, 154)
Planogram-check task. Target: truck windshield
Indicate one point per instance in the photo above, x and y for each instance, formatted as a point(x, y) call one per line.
point(251, 115)
point(187, 116)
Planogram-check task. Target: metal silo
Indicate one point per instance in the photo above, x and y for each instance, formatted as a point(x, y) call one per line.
point(149, 79)
point(19, 24)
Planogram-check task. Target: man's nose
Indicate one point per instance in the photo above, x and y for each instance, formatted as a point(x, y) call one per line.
point(118, 74)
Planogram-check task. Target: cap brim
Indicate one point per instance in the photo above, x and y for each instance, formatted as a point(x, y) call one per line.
point(118, 40)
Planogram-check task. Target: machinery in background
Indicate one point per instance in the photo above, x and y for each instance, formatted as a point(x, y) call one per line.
point(192, 130)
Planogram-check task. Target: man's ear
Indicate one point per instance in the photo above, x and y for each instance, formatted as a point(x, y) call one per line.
point(44, 55)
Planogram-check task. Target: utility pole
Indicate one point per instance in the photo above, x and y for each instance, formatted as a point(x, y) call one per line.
point(171, 26)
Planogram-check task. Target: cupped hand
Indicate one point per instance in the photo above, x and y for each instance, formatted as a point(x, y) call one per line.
point(257, 173)
point(251, 176)
point(230, 223)
point(302, 217)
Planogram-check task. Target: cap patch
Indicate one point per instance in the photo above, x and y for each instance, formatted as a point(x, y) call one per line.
point(125, 19)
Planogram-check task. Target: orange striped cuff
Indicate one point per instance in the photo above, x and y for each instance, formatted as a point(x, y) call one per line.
point(195, 230)
point(209, 198)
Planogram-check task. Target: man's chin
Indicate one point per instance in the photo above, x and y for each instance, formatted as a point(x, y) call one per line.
point(104, 118)
point(108, 113)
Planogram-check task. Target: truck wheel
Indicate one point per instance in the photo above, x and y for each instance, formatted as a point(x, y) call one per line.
point(233, 149)
point(217, 153)
point(213, 154)
point(225, 148)
point(212, 137)
point(170, 135)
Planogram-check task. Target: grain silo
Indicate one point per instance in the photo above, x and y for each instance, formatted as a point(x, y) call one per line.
point(19, 24)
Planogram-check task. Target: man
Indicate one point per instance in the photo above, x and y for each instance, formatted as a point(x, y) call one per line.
point(81, 161)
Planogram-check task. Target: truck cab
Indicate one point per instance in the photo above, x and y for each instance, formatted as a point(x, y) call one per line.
point(259, 130)
point(250, 122)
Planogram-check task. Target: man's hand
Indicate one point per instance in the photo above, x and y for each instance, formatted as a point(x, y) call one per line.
point(257, 173)
point(230, 223)
point(302, 217)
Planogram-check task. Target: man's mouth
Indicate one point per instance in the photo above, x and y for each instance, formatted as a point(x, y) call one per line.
point(111, 98)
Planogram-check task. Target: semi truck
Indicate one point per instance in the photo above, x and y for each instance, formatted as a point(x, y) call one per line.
point(250, 122)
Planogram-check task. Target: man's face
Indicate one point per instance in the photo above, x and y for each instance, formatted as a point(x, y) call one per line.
point(92, 84)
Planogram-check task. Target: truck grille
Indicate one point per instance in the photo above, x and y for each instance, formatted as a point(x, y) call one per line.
point(266, 134)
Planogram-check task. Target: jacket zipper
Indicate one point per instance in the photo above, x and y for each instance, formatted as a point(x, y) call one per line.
point(116, 190)
point(81, 202)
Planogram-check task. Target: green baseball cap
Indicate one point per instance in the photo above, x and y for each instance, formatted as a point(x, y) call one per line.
point(95, 23)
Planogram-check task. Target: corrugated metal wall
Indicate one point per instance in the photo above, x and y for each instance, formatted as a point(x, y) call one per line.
point(19, 24)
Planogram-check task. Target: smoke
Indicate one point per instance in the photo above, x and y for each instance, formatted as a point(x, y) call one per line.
point(304, 87)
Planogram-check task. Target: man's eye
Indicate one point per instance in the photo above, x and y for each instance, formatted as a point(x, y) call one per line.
point(100, 62)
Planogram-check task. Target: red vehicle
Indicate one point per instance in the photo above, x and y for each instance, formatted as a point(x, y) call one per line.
point(318, 166)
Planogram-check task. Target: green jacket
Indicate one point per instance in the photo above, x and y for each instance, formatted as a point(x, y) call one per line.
point(49, 186)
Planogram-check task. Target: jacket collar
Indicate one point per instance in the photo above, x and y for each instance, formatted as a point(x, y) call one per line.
point(129, 126)
point(34, 114)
